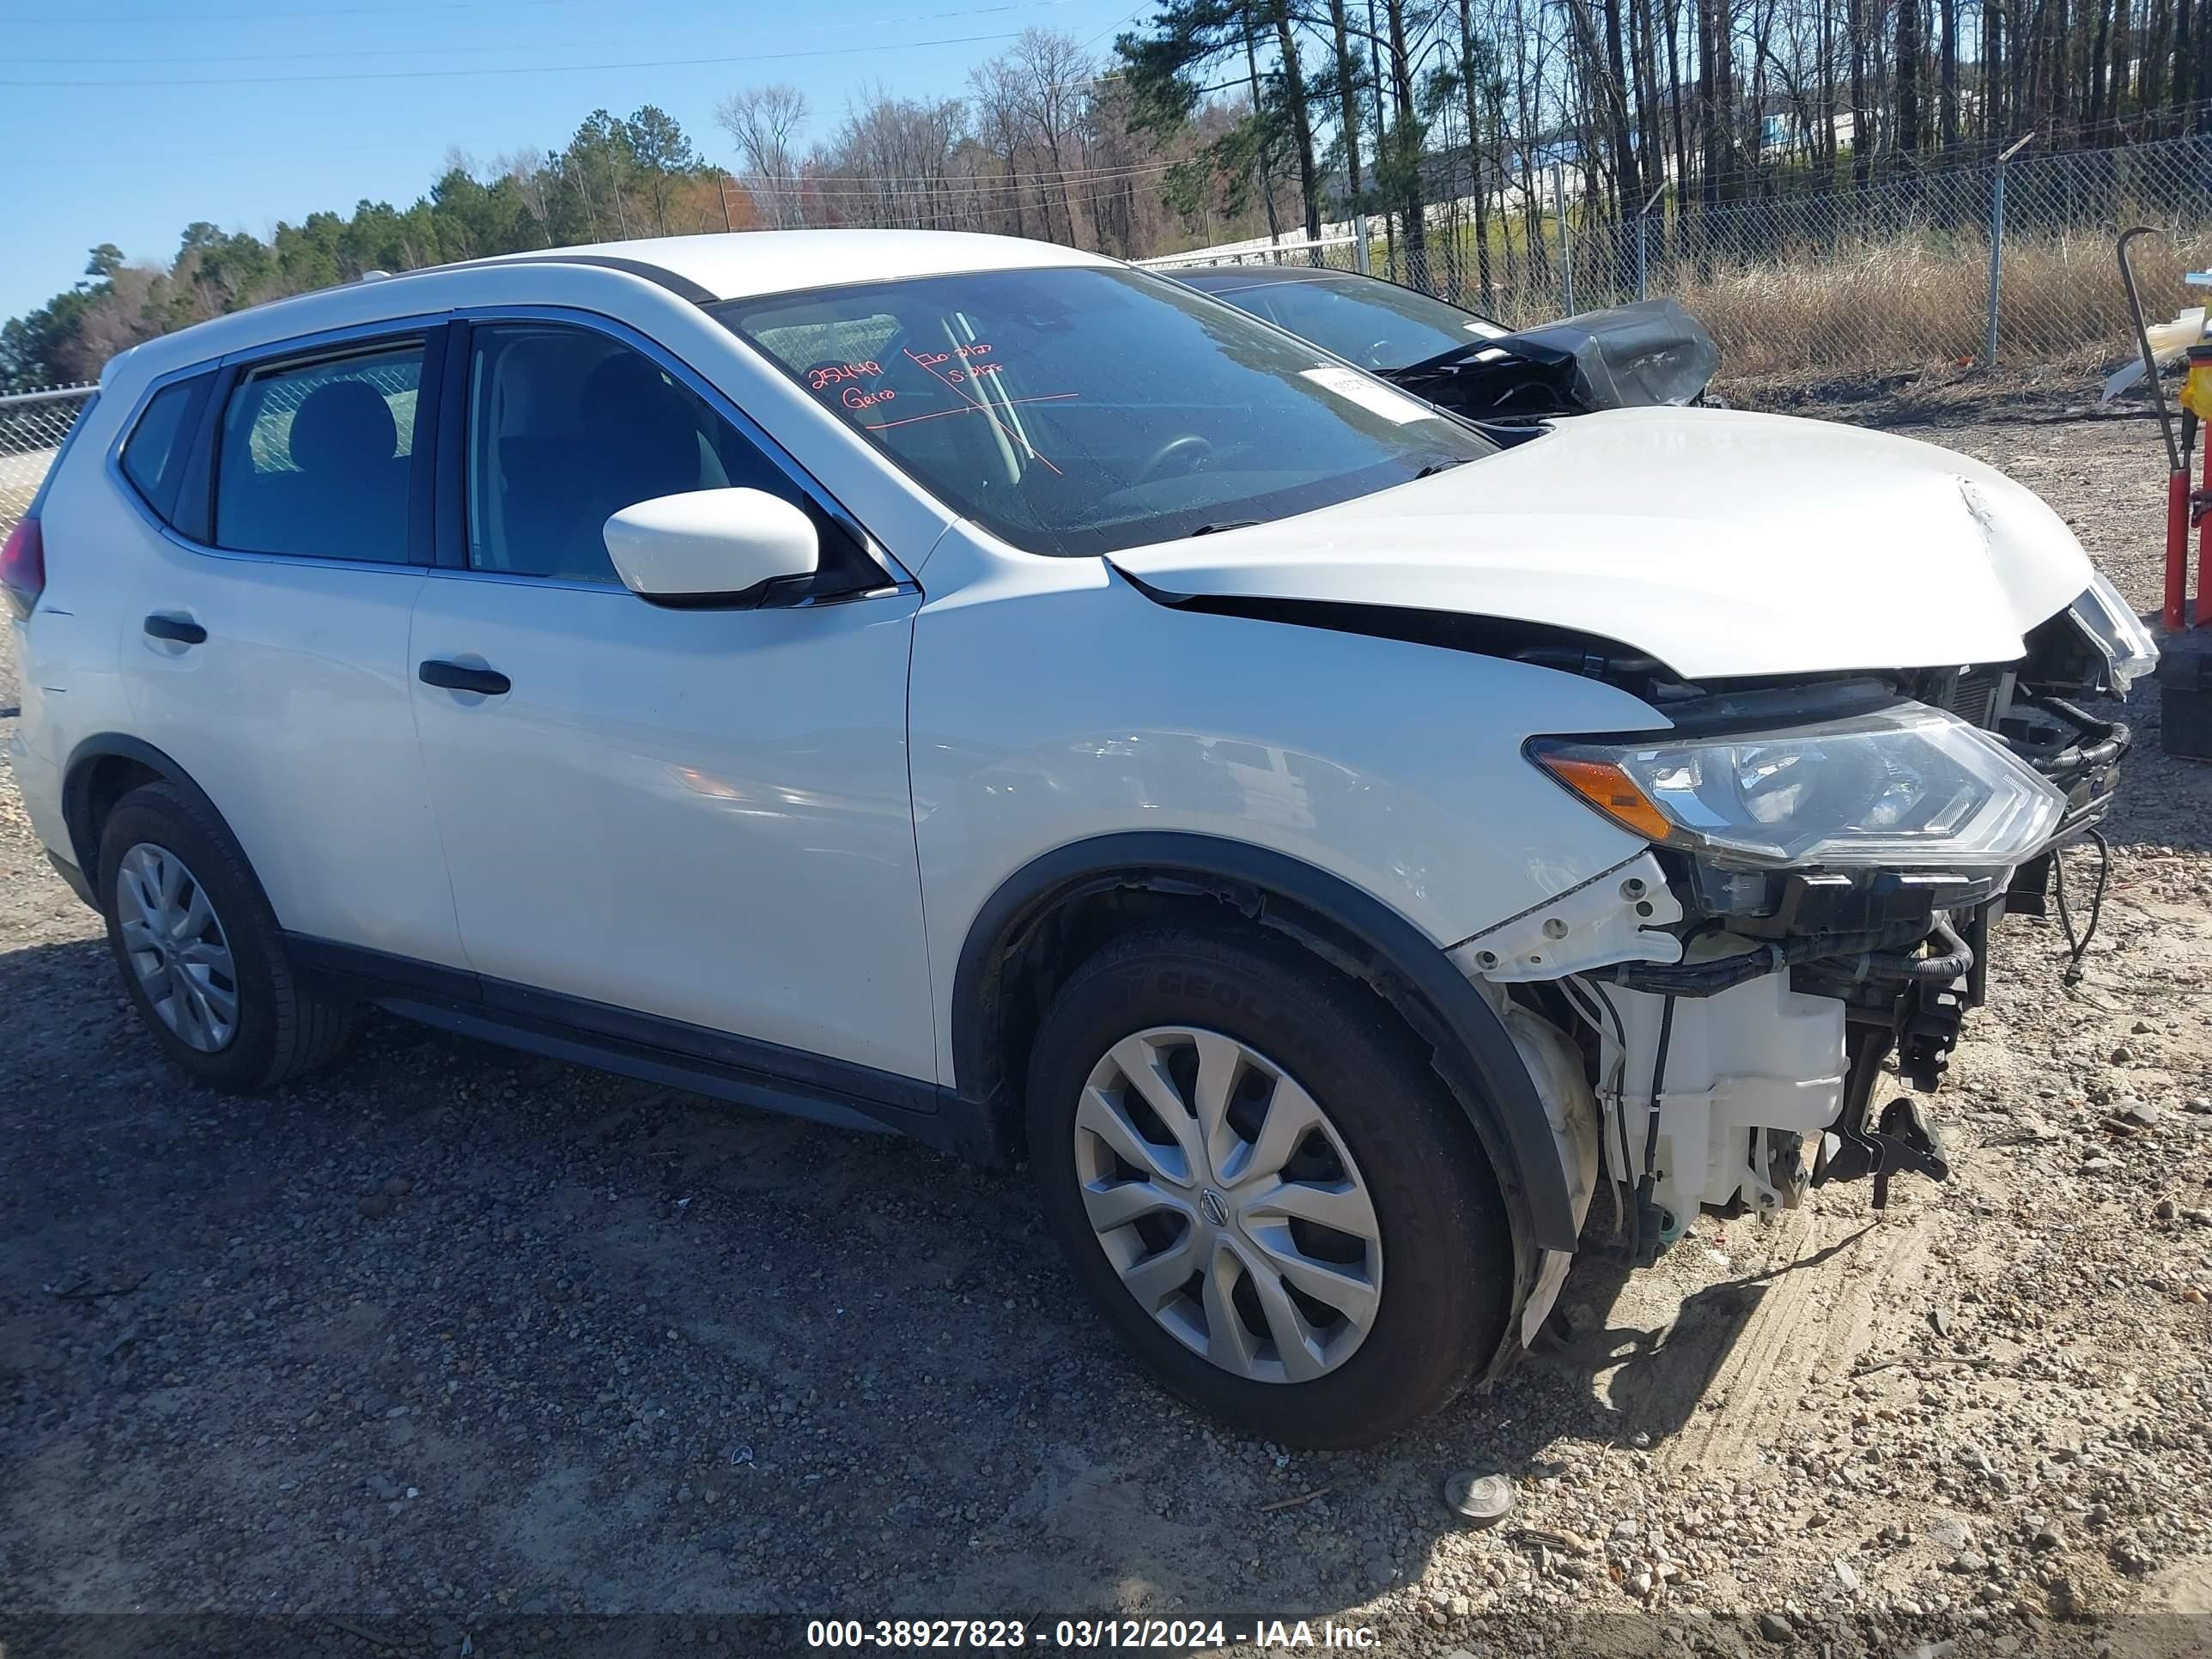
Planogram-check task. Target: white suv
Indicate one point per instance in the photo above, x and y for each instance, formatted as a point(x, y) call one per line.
point(969, 687)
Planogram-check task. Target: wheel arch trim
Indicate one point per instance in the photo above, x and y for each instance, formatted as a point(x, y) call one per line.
point(76, 790)
point(1351, 929)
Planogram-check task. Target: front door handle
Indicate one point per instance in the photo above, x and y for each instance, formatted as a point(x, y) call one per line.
point(457, 677)
point(176, 630)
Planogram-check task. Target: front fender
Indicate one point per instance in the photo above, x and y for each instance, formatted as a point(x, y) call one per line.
point(1066, 705)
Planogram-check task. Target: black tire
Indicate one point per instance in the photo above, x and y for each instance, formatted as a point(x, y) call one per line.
point(1447, 1284)
point(281, 1031)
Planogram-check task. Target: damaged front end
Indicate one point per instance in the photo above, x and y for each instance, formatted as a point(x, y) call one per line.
point(1812, 916)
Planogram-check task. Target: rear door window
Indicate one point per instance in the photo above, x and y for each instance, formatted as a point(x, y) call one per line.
point(316, 456)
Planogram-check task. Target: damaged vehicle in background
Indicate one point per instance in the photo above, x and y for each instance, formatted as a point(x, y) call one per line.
point(1645, 354)
point(971, 687)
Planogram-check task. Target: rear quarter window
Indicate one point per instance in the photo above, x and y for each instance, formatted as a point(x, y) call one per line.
point(155, 453)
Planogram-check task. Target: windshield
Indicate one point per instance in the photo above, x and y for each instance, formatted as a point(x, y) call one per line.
point(1375, 324)
point(1080, 410)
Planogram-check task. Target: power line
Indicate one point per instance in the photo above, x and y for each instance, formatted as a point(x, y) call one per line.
point(142, 18)
point(1111, 27)
point(504, 46)
point(516, 69)
point(878, 185)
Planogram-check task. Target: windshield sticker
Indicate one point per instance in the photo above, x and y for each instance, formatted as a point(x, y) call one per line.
point(1488, 331)
point(970, 364)
point(931, 359)
point(966, 409)
point(929, 362)
point(829, 374)
point(1370, 395)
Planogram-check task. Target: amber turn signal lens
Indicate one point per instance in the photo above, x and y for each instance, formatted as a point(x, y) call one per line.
point(1611, 790)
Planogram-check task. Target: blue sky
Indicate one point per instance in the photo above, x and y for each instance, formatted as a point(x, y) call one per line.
point(262, 116)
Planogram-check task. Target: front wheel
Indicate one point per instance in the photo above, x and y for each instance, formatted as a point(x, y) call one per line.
point(1260, 1180)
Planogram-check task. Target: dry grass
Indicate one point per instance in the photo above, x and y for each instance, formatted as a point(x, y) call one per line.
point(1900, 305)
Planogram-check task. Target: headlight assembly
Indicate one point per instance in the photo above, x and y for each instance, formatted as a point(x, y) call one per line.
point(2112, 625)
point(1902, 788)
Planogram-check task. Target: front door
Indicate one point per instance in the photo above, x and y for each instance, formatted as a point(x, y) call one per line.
point(698, 814)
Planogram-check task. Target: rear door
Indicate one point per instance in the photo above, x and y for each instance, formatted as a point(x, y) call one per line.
point(265, 647)
point(701, 814)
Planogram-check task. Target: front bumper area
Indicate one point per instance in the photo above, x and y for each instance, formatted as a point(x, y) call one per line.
point(1734, 1060)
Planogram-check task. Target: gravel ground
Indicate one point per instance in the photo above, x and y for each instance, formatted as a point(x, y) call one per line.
point(463, 1336)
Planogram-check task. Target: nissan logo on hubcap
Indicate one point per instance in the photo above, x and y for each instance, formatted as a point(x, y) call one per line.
point(1211, 1206)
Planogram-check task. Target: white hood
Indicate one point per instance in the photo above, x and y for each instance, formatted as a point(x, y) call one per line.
point(1723, 544)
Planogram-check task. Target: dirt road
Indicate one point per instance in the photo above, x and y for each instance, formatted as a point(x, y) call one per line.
point(457, 1334)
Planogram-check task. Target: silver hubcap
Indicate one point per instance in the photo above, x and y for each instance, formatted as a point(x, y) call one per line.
point(177, 947)
point(1228, 1204)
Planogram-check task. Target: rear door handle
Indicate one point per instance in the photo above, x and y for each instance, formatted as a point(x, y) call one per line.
point(176, 630)
point(457, 676)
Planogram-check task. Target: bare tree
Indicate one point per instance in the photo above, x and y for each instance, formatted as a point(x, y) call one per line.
point(1001, 125)
point(764, 123)
point(1053, 75)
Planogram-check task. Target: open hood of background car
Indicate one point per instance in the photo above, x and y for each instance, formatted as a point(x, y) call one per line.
point(1722, 544)
point(1646, 354)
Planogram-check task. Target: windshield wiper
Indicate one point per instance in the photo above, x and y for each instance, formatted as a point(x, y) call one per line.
point(1434, 467)
point(1226, 523)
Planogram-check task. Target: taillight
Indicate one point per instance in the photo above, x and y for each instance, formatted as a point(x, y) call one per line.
point(23, 566)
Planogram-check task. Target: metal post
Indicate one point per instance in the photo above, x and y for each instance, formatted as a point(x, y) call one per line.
point(1359, 257)
point(1997, 252)
point(1642, 241)
point(1566, 238)
point(2179, 453)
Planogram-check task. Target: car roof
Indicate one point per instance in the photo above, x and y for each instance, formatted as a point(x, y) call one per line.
point(738, 265)
point(722, 265)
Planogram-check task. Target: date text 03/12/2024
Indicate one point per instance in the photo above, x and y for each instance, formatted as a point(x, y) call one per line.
point(1158, 1635)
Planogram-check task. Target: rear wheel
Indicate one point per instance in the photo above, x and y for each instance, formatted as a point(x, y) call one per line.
point(201, 956)
point(1258, 1180)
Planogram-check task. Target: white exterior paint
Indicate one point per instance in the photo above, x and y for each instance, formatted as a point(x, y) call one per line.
point(698, 814)
point(1053, 702)
point(710, 541)
point(780, 261)
point(1722, 542)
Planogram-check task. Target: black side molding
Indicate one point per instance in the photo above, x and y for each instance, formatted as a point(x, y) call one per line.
point(74, 877)
point(721, 1064)
point(83, 765)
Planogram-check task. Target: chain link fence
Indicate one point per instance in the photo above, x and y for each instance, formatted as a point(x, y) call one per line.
point(32, 427)
point(1853, 283)
point(1347, 253)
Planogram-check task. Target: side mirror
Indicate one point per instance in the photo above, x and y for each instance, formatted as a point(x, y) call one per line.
point(710, 546)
